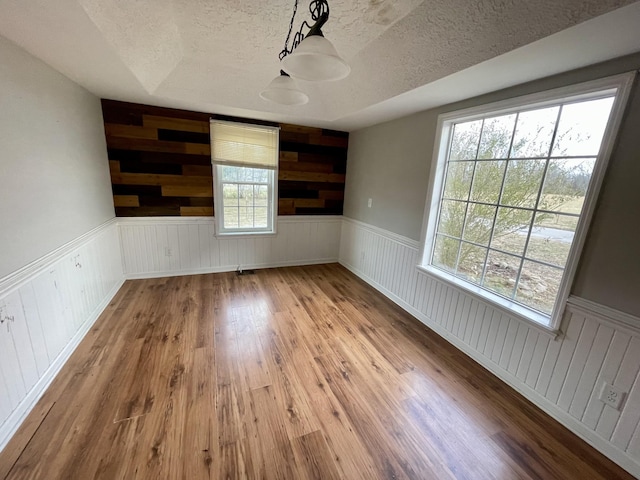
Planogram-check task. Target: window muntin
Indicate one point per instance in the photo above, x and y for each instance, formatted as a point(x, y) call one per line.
point(245, 160)
point(246, 198)
point(506, 239)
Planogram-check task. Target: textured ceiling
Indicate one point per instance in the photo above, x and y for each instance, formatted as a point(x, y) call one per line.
point(216, 56)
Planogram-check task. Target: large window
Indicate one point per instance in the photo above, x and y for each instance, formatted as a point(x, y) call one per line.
point(245, 161)
point(510, 195)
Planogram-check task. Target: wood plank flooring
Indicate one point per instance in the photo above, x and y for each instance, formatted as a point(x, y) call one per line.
point(293, 373)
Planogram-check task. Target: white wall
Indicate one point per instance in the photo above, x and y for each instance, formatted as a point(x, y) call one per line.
point(54, 173)
point(164, 246)
point(60, 261)
point(609, 270)
point(390, 163)
point(561, 375)
point(601, 332)
point(45, 311)
point(56, 188)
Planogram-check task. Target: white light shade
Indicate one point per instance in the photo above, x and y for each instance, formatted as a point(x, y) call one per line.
point(315, 60)
point(284, 90)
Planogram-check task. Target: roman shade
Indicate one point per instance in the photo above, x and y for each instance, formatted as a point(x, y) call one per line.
point(244, 145)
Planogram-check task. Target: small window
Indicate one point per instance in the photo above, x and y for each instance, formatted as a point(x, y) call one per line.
point(245, 161)
point(512, 191)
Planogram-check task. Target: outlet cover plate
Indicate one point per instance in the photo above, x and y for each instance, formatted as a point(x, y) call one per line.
point(611, 395)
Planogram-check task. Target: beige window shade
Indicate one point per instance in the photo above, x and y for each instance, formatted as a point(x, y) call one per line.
point(244, 145)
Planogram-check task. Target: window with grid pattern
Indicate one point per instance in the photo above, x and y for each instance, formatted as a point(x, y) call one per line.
point(246, 197)
point(245, 159)
point(510, 197)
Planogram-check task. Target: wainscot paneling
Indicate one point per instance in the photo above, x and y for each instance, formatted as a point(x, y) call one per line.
point(165, 246)
point(563, 375)
point(46, 308)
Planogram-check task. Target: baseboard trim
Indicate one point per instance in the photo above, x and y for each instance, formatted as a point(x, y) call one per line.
point(11, 425)
point(227, 268)
point(597, 442)
point(153, 247)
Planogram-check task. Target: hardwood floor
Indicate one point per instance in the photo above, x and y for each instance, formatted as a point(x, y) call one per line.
point(293, 373)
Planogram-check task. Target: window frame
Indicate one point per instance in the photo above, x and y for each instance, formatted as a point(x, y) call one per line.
point(621, 87)
point(218, 200)
point(272, 188)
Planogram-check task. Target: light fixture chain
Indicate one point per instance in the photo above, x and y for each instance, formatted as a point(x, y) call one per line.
point(319, 10)
point(285, 51)
point(328, 65)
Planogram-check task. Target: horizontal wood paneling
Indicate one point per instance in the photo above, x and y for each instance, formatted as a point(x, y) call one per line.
point(45, 310)
point(118, 142)
point(196, 211)
point(171, 123)
point(156, 147)
point(126, 201)
point(312, 170)
point(563, 376)
point(130, 131)
point(187, 191)
point(162, 247)
point(167, 148)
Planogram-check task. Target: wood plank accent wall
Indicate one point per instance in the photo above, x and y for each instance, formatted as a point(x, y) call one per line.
point(160, 161)
point(313, 163)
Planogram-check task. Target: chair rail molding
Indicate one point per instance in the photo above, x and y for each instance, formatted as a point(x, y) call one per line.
point(618, 319)
point(46, 309)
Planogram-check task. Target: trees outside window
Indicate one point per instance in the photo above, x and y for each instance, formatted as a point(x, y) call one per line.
point(246, 197)
point(511, 195)
point(245, 165)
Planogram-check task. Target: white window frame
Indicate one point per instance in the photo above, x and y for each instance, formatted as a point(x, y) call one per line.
point(219, 204)
point(272, 207)
point(621, 85)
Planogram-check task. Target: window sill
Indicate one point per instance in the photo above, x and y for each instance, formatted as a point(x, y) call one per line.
point(530, 317)
point(245, 234)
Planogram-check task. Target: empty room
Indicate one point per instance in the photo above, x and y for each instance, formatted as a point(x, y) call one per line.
point(391, 239)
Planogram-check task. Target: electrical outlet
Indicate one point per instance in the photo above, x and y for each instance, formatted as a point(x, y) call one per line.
point(167, 251)
point(370, 202)
point(611, 395)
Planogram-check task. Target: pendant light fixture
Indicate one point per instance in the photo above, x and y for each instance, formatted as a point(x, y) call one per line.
point(315, 60)
point(284, 90)
point(311, 57)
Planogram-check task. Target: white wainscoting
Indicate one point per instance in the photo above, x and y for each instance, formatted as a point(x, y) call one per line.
point(563, 375)
point(46, 308)
point(165, 246)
